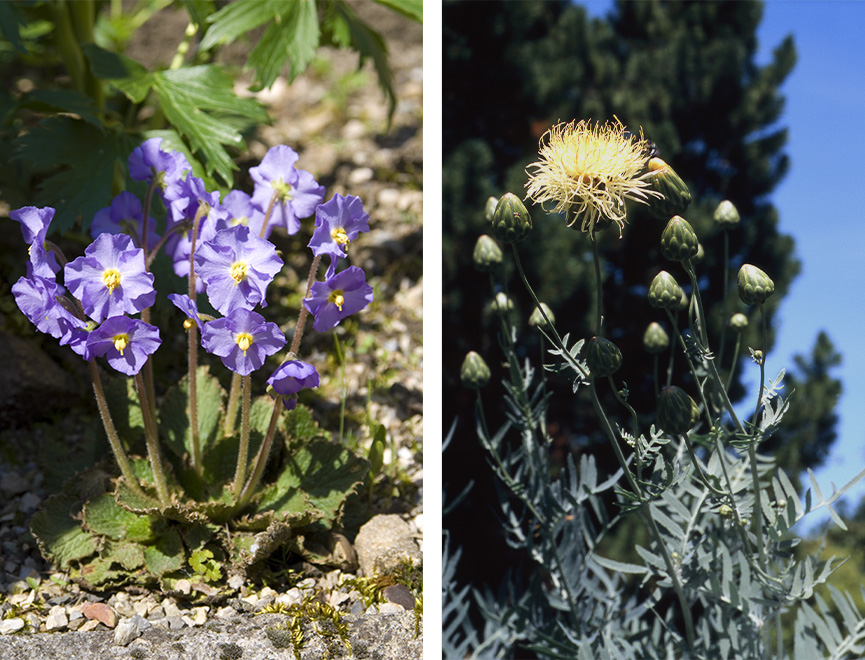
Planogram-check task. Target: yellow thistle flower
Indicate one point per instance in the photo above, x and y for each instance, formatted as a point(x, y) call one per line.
point(589, 171)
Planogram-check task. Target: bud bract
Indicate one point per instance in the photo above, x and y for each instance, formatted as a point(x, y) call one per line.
point(665, 292)
point(487, 254)
point(490, 208)
point(677, 412)
point(537, 320)
point(511, 221)
point(738, 322)
point(474, 373)
point(603, 357)
point(679, 241)
point(754, 285)
point(676, 196)
point(726, 214)
point(655, 339)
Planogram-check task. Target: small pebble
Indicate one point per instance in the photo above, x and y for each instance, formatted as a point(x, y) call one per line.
point(11, 625)
point(225, 612)
point(401, 595)
point(184, 586)
point(126, 631)
point(100, 612)
point(56, 619)
point(13, 483)
point(89, 625)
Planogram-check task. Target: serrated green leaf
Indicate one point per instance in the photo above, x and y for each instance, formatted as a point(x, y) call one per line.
point(412, 9)
point(300, 425)
point(127, 75)
point(99, 572)
point(78, 162)
point(196, 101)
point(62, 100)
point(174, 425)
point(293, 37)
point(237, 18)
point(104, 516)
point(324, 472)
point(129, 555)
point(166, 555)
point(59, 535)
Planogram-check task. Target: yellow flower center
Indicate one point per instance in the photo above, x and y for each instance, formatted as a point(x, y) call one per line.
point(337, 298)
point(283, 190)
point(121, 342)
point(339, 236)
point(244, 340)
point(240, 221)
point(238, 272)
point(111, 278)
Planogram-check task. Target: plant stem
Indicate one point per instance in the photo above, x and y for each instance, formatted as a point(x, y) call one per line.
point(599, 316)
point(724, 294)
point(152, 445)
point(752, 451)
point(243, 449)
point(301, 318)
point(203, 209)
point(261, 457)
point(233, 399)
point(111, 432)
point(268, 213)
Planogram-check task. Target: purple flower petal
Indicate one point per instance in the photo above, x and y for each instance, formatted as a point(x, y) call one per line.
point(297, 193)
point(338, 297)
point(291, 377)
point(243, 340)
point(126, 343)
point(337, 223)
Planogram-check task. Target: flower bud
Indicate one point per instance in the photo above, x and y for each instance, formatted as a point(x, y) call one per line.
point(490, 208)
point(738, 322)
point(726, 215)
point(655, 339)
point(537, 320)
point(511, 221)
point(502, 304)
point(679, 241)
point(474, 373)
point(676, 196)
point(677, 412)
point(603, 357)
point(665, 292)
point(754, 285)
point(487, 254)
point(683, 303)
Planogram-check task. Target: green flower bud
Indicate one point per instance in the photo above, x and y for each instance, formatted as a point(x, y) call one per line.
point(701, 254)
point(683, 303)
point(603, 357)
point(725, 510)
point(726, 214)
point(738, 322)
point(665, 292)
point(502, 304)
point(537, 320)
point(487, 254)
point(676, 196)
point(656, 339)
point(754, 285)
point(677, 412)
point(511, 221)
point(474, 373)
point(490, 208)
point(679, 241)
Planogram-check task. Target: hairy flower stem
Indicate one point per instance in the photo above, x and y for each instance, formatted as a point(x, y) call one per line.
point(599, 313)
point(233, 400)
point(111, 432)
point(148, 199)
point(243, 449)
point(152, 445)
point(301, 317)
point(646, 512)
point(269, 212)
point(203, 209)
point(261, 458)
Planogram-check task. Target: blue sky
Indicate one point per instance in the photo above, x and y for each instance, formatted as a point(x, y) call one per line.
point(821, 204)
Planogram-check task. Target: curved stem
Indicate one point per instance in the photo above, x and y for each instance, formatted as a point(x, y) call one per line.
point(111, 432)
point(301, 318)
point(153, 452)
point(268, 213)
point(261, 457)
point(243, 449)
point(599, 312)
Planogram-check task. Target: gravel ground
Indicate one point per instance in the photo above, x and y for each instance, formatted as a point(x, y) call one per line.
point(336, 119)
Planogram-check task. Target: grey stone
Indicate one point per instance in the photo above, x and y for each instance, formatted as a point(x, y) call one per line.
point(389, 637)
point(383, 543)
point(11, 625)
point(401, 595)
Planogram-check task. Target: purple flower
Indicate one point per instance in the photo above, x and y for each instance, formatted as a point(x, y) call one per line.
point(188, 306)
point(338, 297)
point(37, 297)
point(34, 226)
point(297, 193)
point(337, 223)
point(125, 342)
point(110, 279)
point(243, 339)
point(182, 212)
point(236, 268)
point(168, 167)
point(124, 216)
point(241, 211)
point(290, 378)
